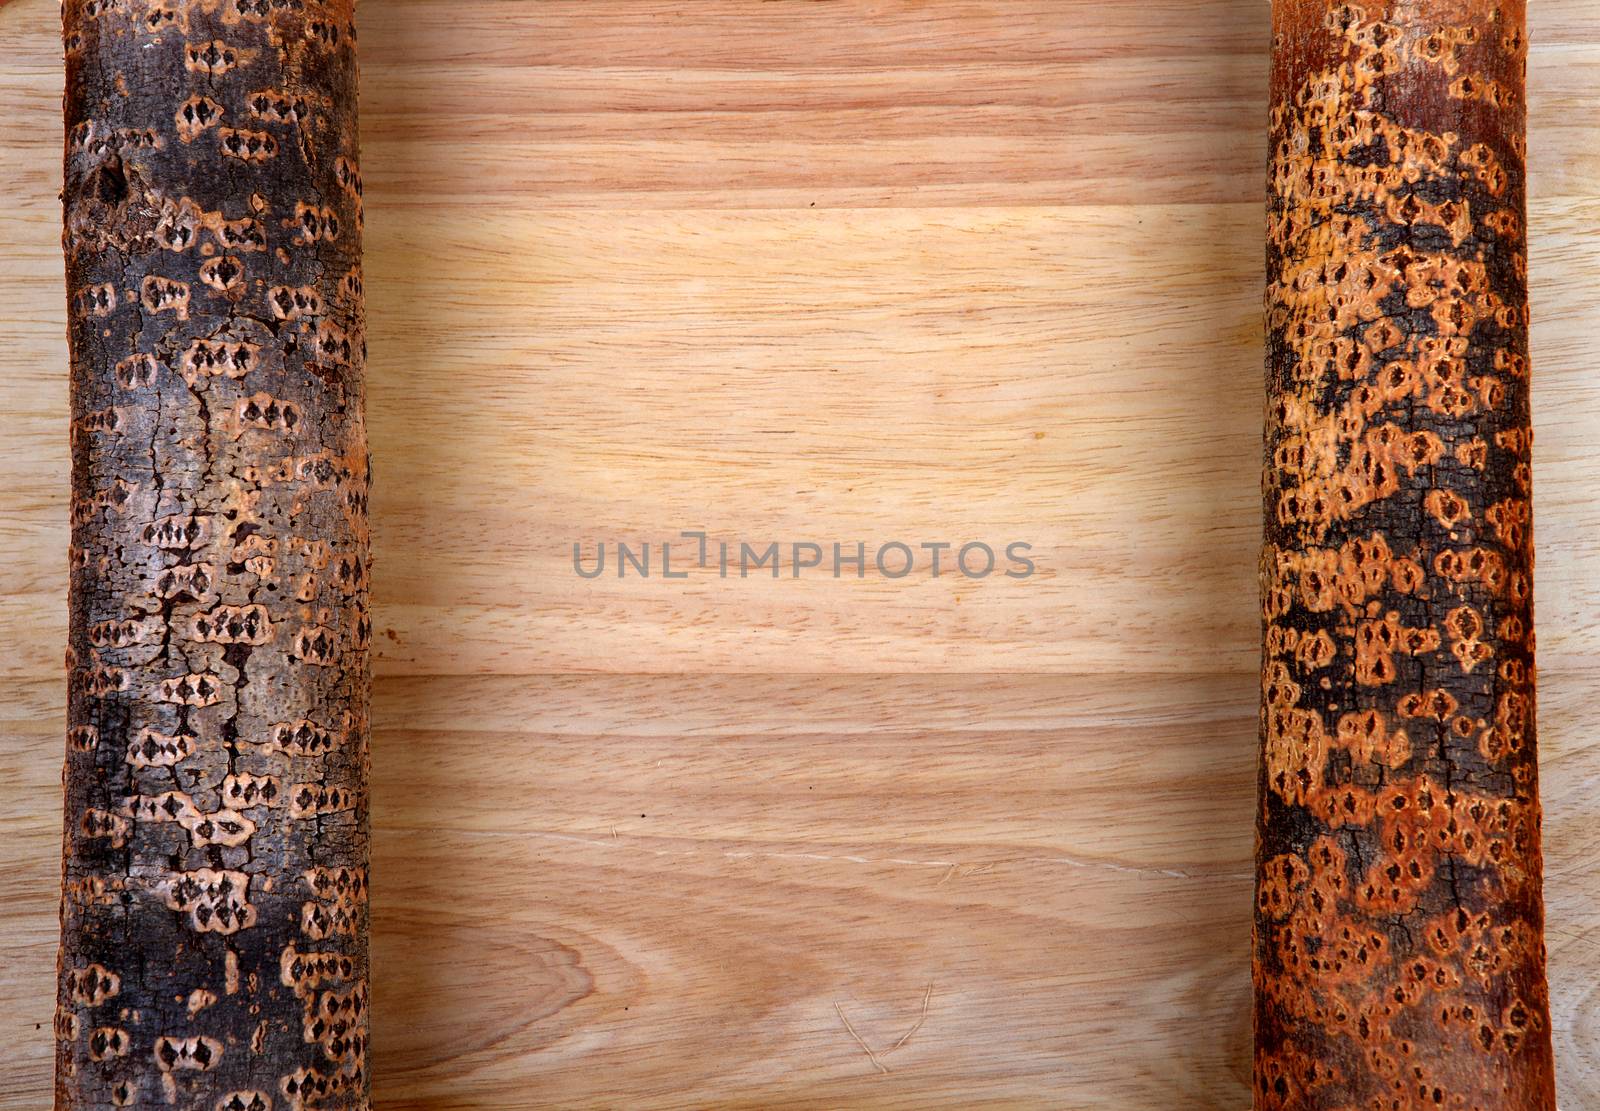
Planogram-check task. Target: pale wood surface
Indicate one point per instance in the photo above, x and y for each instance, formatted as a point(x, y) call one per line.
point(933, 271)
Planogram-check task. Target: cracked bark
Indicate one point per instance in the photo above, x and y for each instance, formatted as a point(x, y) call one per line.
point(1399, 955)
point(213, 913)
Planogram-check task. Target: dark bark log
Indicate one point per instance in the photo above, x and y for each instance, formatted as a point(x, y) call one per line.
point(214, 910)
point(1399, 955)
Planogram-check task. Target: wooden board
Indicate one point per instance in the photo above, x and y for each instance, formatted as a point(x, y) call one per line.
point(942, 271)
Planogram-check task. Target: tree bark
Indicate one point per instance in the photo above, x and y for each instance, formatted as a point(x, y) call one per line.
point(1399, 954)
point(214, 911)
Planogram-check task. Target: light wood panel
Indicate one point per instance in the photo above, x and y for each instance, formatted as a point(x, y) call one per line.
point(934, 271)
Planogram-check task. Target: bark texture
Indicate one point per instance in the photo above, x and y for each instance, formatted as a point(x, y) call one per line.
point(1399, 955)
point(214, 904)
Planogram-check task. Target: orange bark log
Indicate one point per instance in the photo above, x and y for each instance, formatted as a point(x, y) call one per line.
point(1399, 955)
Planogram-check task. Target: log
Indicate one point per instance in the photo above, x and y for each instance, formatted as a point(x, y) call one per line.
point(1399, 954)
point(214, 904)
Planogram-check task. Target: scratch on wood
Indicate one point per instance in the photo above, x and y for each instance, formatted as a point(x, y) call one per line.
point(865, 1048)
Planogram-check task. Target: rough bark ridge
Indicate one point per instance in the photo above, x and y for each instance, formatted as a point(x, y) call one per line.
point(214, 911)
point(1399, 956)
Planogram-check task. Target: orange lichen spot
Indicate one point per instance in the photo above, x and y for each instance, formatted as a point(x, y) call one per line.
point(162, 15)
point(1505, 223)
point(294, 302)
point(352, 287)
point(306, 972)
point(125, 633)
point(223, 827)
point(103, 824)
point(136, 372)
point(110, 420)
point(179, 531)
point(1438, 704)
point(336, 1019)
point(169, 806)
point(310, 800)
point(213, 58)
point(101, 680)
point(198, 1054)
point(1337, 807)
point(267, 412)
point(310, 1088)
point(1472, 565)
point(96, 138)
point(315, 644)
point(1483, 162)
point(359, 624)
point(216, 901)
point(1369, 740)
point(256, 554)
point(159, 294)
point(1509, 731)
point(243, 791)
point(155, 749)
point(1382, 335)
point(1447, 507)
point(96, 300)
point(323, 33)
point(319, 922)
point(1377, 641)
point(348, 176)
point(91, 985)
point(96, 891)
point(232, 625)
point(314, 223)
point(342, 886)
point(1348, 954)
point(317, 470)
point(252, 1100)
point(1509, 519)
point(1398, 381)
point(200, 688)
point(244, 234)
point(278, 107)
point(350, 574)
point(108, 1042)
point(1511, 362)
point(302, 738)
point(333, 345)
point(195, 115)
point(96, 9)
point(179, 225)
point(1439, 48)
point(191, 580)
point(1512, 630)
point(1466, 628)
point(246, 145)
point(1295, 740)
point(225, 274)
point(208, 358)
point(1407, 575)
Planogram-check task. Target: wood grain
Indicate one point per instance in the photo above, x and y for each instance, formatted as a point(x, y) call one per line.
point(783, 271)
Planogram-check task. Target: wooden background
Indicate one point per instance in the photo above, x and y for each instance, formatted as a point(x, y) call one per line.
point(934, 271)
